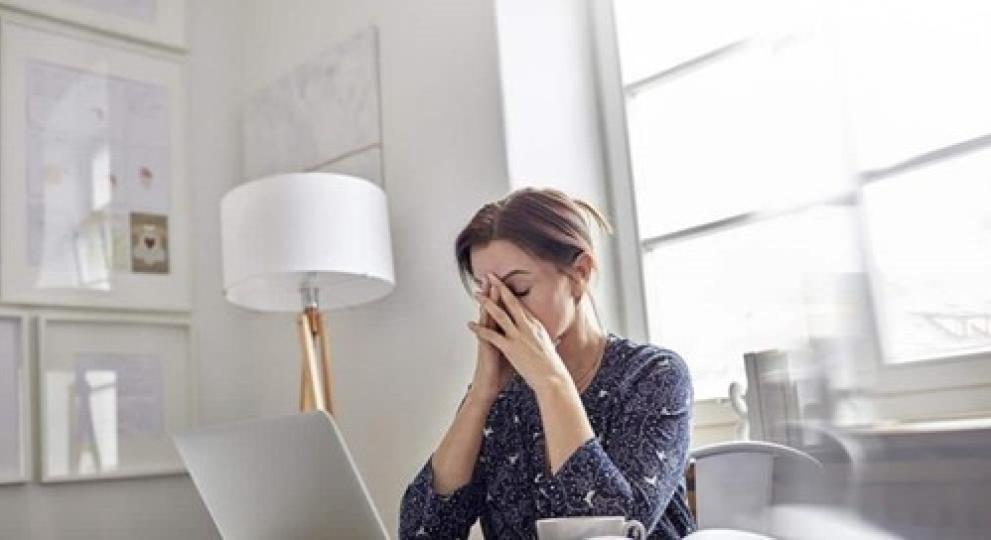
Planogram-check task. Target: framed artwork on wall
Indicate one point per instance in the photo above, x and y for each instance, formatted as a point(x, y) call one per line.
point(156, 21)
point(15, 398)
point(112, 392)
point(93, 190)
point(324, 115)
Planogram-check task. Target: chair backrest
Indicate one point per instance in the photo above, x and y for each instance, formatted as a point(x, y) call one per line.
point(771, 401)
point(736, 481)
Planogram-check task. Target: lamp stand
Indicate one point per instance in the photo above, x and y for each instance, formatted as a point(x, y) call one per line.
point(315, 388)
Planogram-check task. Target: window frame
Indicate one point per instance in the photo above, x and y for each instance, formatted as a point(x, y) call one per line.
point(924, 380)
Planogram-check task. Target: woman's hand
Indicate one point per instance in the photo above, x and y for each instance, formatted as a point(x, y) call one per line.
point(523, 340)
point(492, 370)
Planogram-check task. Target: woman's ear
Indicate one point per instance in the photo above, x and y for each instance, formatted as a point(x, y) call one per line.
point(581, 274)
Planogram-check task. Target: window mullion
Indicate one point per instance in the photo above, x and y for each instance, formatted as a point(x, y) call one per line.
point(746, 218)
point(687, 66)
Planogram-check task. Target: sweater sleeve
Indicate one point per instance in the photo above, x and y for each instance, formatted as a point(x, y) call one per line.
point(427, 514)
point(424, 513)
point(647, 443)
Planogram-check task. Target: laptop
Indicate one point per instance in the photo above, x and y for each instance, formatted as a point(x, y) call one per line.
point(284, 477)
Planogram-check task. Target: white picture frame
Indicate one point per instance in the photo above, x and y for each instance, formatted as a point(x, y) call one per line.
point(92, 167)
point(112, 392)
point(161, 22)
point(15, 398)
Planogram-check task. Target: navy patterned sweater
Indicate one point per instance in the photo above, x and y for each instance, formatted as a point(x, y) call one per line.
point(639, 405)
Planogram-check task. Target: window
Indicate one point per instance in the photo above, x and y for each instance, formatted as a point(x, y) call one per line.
point(796, 163)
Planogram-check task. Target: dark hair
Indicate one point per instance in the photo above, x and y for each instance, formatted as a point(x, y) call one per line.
point(545, 223)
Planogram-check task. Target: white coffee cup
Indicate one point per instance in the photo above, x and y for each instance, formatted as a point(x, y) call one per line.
point(582, 527)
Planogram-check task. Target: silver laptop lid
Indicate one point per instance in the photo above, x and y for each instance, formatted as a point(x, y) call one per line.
point(284, 477)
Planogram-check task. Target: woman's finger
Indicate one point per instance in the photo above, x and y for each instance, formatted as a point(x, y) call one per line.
point(483, 316)
point(499, 316)
point(512, 303)
point(489, 335)
point(492, 294)
point(531, 317)
point(485, 290)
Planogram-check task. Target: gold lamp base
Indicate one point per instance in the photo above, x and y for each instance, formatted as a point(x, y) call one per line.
point(315, 388)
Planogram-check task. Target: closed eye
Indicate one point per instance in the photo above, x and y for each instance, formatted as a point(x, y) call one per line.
point(522, 293)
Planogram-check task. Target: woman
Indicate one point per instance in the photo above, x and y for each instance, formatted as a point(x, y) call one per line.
point(561, 418)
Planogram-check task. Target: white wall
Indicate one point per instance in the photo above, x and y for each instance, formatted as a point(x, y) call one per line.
point(551, 120)
point(169, 507)
point(402, 364)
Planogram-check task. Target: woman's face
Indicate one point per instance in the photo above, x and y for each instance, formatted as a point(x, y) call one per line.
point(539, 285)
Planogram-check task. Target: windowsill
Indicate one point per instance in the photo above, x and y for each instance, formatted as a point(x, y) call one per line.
point(979, 421)
point(949, 373)
point(715, 412)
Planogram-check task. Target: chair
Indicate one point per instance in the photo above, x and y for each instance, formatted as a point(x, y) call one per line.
point(735, 482)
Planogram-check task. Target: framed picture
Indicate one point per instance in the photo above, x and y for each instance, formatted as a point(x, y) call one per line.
point(112, 392)
point(15, 398)
point(156, 21)
point(93, 192)
point(324, 115)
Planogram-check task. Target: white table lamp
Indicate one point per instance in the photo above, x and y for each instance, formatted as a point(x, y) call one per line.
point(303, 242)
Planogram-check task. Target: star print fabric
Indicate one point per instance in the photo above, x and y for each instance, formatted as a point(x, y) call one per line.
point(639, 405)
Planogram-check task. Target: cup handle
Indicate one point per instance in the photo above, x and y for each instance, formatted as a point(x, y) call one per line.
point(641, 533)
